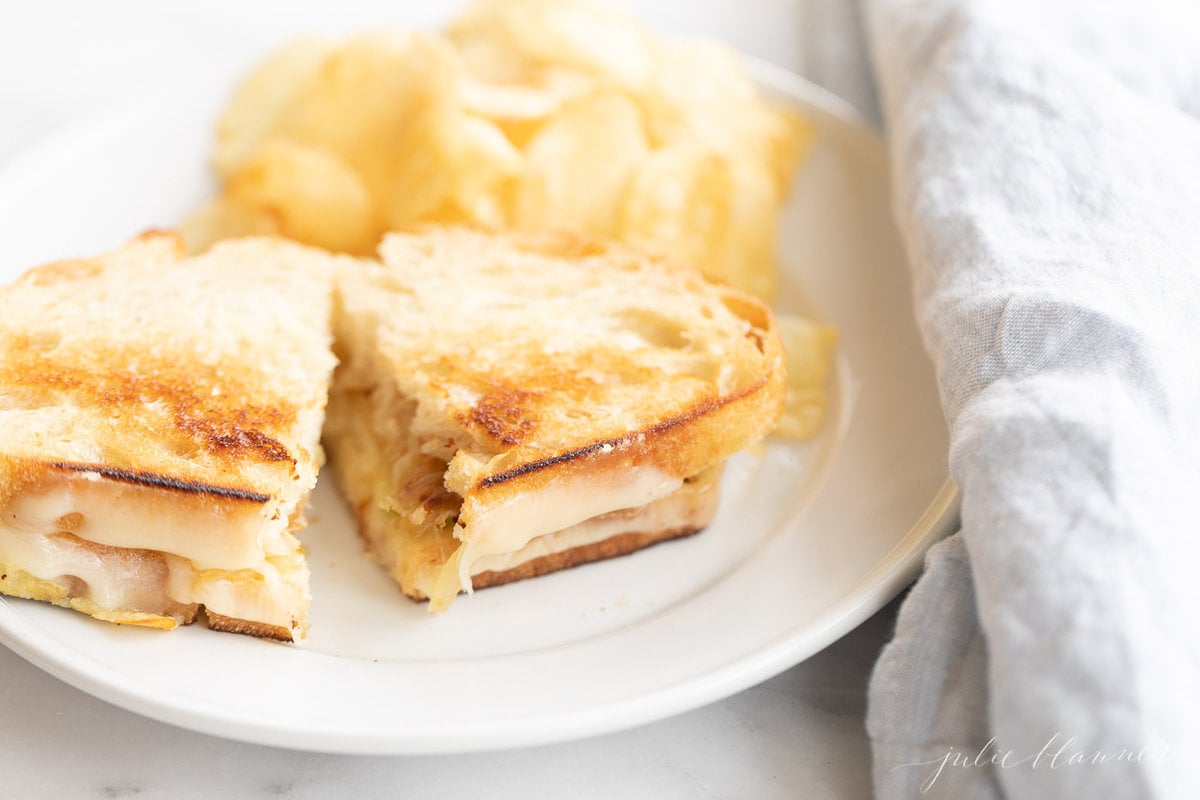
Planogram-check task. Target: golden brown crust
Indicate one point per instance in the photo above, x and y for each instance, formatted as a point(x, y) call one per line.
point(145, 361)
point(504, 412)
point(632, 445)
point(220, 422)
point(681, 445)
point(32, 475)
point(219, 622)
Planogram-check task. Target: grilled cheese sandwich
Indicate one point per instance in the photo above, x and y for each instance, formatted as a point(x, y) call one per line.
point(507, 405)
point(161, 419)
point(502, 396)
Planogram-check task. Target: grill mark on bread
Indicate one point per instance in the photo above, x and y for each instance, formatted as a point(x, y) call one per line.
point(695, 412)
point(159, 481)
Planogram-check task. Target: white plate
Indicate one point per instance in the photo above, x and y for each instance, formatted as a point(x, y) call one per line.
point(810, 539)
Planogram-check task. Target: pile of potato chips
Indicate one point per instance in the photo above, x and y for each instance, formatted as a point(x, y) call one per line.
point(525, 113)
point(533, 114)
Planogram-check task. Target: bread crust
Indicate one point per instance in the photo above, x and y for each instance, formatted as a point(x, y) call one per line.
point(219, 622)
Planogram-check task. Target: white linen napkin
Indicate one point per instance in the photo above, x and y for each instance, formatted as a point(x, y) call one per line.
point(1046, 158)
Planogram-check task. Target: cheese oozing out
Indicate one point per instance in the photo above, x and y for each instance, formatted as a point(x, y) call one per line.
point(689, 508)
point(128, 550)
point(563, 503)
point(409, 517)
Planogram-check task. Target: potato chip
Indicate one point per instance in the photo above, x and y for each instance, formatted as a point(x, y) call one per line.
point(371, 101)
point(311, 193)
point(578, 167)
point(451, 166)
point(536, 114)
point(508, 102)
point(262, 99)
point(789, 142)
point(483, 164)
point(700, 92)
point(704, 209)
point(517, 110)
point(746, 257)
point(695, 87)
point(809, 347)
point(572, 34)
point(678, 204)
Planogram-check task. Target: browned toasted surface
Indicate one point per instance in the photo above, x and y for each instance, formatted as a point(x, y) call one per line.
point(230, 625)
point(145, 364)
point(209, 405)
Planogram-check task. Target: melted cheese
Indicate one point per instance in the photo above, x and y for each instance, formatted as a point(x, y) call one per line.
point(132, 548)
point(132, 582)
point(691, 506)
point(567, 501)
point(426, 558)
point(212, 535)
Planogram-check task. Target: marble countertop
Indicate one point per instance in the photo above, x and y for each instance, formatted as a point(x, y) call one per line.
point(798, 734)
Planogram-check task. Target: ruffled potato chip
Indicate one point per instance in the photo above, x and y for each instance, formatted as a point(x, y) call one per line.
point(528, 35)
point(578, 167)
point(810, 347)
point(263, 97)
point(311, 195)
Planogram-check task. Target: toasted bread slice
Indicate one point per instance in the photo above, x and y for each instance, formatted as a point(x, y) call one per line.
point(498, 388)
point(159, 432)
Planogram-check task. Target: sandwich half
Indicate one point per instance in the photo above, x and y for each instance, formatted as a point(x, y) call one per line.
point(512, 404)
point(160, 424)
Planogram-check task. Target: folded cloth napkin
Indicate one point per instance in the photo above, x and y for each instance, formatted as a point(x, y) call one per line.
point(1046, 159)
